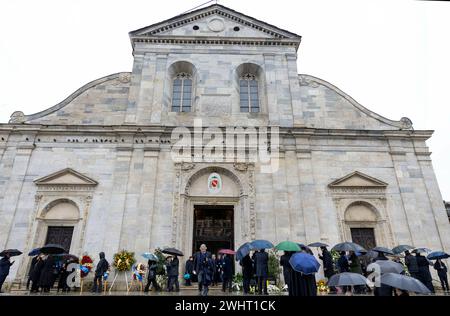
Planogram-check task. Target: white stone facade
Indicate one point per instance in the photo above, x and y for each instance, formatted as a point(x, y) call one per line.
point(100, 160)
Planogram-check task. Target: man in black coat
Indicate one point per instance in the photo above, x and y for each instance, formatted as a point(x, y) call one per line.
point(247, 272)
point(411, 263)
point(441, 269)
point(30, 271)
point(36, 274)
point(261, 259)
point(46, 279)
point(424, 271)
point(102, 267)
point(5, 264)
point(173, 265)
point(199, 260)
point(227, 275)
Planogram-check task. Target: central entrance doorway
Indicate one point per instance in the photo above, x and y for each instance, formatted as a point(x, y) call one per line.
point(214, 227)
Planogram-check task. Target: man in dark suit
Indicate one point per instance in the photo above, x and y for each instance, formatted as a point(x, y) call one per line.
point(199, 259)
point(261, 259)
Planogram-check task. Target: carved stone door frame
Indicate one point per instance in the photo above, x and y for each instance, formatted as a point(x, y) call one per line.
point(183, 202)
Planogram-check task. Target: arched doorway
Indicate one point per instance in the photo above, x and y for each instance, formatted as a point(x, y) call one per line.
point(221, 218)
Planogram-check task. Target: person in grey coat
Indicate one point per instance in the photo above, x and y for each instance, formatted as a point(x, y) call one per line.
point(261, 259)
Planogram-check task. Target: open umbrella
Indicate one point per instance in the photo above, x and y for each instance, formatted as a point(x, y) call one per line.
point(67, 257)
point(261, 244)
point(401, 248)
point(347, 279)
point(317, 244)
point(438, 255)
point(348, 246)
point(11, 252)
point(287, 246)
point(35, 252)
point(404, 282)
point(421, 250)
point(227, 251)
point(53, 249)
point(383, 250)
point(172, 251)
point(386, 266)
point(150, 256)
point(304, 263)
point(243, 251)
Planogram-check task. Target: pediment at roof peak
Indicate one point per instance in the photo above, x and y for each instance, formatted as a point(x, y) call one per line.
point(215, 20)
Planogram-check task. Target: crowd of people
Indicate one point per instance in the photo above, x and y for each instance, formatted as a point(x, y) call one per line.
point(208, 269)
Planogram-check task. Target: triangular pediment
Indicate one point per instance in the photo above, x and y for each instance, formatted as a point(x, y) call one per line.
point(357, 179)
point(66, 177)
point(214, 21)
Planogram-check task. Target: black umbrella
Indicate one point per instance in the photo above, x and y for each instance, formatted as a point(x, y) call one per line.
point(401, 248)
point(404, 282)
point(383, 250)
point(421, 250)
point(172, 251)
point(11, 252)
point(348, 246)
point(53, 249)
point(347, 279)
point(317, 244)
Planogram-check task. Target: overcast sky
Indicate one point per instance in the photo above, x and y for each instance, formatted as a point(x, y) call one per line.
point(391, 56)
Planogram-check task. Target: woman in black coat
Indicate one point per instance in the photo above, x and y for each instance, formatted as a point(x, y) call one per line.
point(46, 279)
point(30, 271)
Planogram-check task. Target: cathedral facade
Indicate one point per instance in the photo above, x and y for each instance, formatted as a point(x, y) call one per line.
point(99, 171)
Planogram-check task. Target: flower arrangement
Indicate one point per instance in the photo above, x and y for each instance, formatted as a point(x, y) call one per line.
point(322, 287)
point(124, 260)
point(86, 266)
point(272, 289)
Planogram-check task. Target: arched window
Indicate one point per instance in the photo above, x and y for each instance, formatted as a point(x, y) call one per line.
point(248, 92)
point(182, 93)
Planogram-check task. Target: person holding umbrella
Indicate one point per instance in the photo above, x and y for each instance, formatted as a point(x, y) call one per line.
point(441, 269)
point(5, 264)
point(46, 278)
point(172, 272)
point(261, 259)
point(424, 271)
point(411, 263)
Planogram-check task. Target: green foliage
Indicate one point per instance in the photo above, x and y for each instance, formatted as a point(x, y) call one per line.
point(274, 266)
point(160, 270)
point(238, 278)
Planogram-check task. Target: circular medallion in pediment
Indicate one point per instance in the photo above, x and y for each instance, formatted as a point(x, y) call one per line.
point(216, 25)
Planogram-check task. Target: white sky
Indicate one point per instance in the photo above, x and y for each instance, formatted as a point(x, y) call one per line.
point(391, 56)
